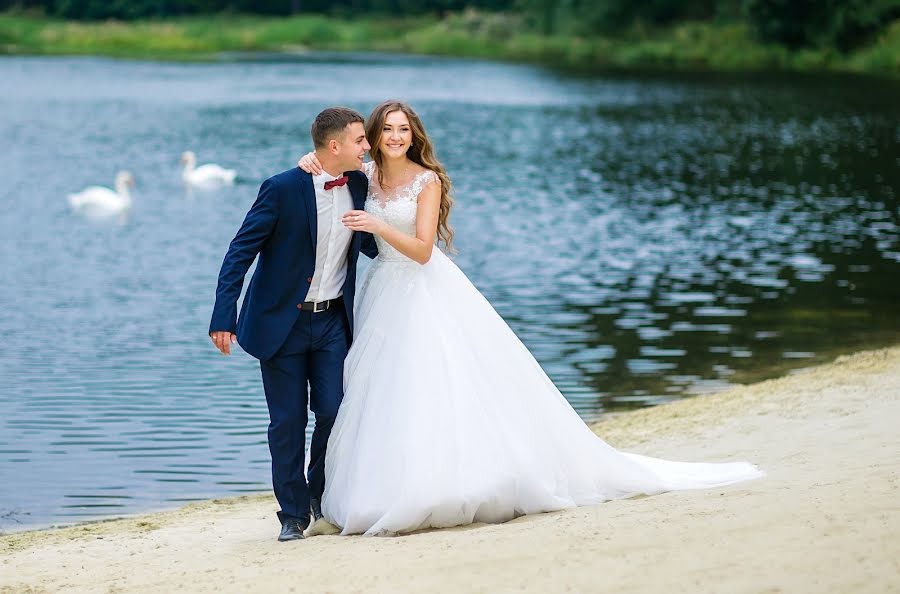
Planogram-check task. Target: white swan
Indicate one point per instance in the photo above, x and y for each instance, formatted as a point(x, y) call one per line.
point(205, 175)
point(103, 200)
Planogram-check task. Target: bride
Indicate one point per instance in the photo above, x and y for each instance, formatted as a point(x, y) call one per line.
point(447, 418)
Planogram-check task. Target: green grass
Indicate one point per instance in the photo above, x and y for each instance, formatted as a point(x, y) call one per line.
point(192, 38)
point(685, 46)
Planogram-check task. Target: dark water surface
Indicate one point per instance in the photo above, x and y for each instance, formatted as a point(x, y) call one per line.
point(648, 238)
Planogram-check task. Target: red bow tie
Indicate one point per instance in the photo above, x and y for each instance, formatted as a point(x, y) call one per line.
point(336, 182)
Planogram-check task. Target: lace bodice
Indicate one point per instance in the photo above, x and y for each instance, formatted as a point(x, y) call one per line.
point(397, 207)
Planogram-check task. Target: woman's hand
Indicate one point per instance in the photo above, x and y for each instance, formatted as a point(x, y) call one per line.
point(360, 220)
point(310, 164)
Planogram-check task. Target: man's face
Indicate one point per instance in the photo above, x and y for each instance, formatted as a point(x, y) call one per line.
point(352, 147)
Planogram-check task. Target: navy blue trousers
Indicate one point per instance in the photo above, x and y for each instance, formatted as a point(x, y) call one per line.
point(307, 369)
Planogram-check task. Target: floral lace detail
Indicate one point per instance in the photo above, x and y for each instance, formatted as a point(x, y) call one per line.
point(408, 191)
point(397, 269)
point(395, 207)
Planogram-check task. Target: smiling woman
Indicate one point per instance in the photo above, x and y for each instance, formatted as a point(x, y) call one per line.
point(402, 149)
point(587, 213)
point(407, 452)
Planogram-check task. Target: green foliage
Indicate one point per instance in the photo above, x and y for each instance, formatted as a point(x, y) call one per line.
point(91, 10)
point(883, 55)
point(840, 24)
point(688, 45)
point(588, 17)
point(844, 24)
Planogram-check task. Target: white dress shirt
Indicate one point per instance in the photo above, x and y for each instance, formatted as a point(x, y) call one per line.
point(332, 240)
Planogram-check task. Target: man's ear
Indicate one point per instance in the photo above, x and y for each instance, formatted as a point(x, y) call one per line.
point(333, 145)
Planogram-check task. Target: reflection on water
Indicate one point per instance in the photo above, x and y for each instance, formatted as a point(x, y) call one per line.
point(647, 239)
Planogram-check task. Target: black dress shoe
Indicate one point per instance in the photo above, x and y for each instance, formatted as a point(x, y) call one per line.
point(319, 525)
point(292, 529)
point(315, 507)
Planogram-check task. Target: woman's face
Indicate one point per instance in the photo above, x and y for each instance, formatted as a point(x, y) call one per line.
point(396, 135)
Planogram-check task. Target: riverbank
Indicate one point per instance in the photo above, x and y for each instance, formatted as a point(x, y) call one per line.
point(690, 46)
point(825, 519)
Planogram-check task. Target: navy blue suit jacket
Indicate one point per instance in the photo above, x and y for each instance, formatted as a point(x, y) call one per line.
point(281, 228)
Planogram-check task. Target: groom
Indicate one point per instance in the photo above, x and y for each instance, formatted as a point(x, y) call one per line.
point(297, 315)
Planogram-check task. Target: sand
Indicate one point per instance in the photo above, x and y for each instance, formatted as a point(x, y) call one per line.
point(825, 519)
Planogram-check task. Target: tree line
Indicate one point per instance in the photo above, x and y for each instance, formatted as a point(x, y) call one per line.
point(795, 23)
point(843, 24)
point(135, 9)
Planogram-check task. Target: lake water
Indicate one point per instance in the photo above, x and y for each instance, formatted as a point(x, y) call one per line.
point(648, 237)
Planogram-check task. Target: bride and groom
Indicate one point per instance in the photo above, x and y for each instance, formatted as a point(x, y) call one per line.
point(437, 415)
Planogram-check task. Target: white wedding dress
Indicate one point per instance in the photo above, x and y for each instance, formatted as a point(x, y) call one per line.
point(448, 419)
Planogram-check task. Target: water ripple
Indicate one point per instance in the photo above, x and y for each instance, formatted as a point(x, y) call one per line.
point(648, 239)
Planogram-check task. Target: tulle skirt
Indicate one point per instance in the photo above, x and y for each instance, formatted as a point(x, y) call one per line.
point(448, 419)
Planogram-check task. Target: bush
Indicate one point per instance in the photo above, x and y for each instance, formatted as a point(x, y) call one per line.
point(844, 24)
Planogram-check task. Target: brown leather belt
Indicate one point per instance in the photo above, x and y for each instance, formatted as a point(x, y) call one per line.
point(318, 307)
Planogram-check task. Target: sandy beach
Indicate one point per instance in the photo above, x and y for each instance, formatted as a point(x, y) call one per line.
point(825, 519)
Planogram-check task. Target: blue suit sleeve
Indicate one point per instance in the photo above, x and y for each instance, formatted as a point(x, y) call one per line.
point(255, 230)
point(368, 245)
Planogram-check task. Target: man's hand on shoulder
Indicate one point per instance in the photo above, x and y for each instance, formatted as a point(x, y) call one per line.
point(223, 340)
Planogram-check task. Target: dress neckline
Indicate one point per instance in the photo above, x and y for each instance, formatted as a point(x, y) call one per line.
point(409, 182)
point(383, 196)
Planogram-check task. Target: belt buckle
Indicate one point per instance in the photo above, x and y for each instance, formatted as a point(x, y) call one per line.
point(316, 306)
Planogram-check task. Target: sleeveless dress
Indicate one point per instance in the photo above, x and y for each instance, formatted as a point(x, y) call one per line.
point(448, 419)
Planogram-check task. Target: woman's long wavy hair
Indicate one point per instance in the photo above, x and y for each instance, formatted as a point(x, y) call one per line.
point(420, 151)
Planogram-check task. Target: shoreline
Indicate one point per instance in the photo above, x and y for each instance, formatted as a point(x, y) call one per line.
point(825, 518)
point(602, 426)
